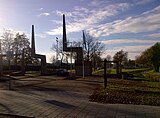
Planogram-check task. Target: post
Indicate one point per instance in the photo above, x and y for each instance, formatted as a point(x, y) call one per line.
point(23, 62)
point(83, 62)
point(117, 67)
point(10, 84)
point(71, 59)
point(83, 67)
point(94, 64)
point(71, 56)
point(1, 63)
point(105, 73)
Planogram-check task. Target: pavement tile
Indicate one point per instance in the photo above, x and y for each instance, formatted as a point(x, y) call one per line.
point(120, 116)
point(61, 102)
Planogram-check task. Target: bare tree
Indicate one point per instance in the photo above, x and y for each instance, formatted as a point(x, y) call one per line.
point(65, 56)
point(61, 54)
point(53, 59)
point(93, 47)
point(92, 52)
point(108, 57)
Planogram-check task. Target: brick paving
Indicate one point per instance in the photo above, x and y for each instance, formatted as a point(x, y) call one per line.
point(53, 97)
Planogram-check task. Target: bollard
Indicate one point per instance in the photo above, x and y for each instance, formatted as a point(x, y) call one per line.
point(10, 84)
point(105, 74)
point(10, 87)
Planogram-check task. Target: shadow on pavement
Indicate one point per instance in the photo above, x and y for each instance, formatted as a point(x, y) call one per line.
point(12, 116)
point(5, 107)
point(60, 104)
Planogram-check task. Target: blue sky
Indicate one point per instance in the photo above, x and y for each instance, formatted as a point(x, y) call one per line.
point(131, 25)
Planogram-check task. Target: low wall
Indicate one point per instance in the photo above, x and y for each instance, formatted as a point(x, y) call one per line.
point(87, 68)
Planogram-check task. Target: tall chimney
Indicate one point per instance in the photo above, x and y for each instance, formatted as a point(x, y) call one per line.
point(64, 35)
point(33, 41)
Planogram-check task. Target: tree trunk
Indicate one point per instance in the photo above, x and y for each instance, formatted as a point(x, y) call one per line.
point(156, 68)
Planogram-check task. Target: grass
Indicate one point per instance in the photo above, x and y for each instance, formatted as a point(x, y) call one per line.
point(71, 70)
point(113, 71)
point(143, 89)
point(152, 76)
point(97, 71)
point(32, 72)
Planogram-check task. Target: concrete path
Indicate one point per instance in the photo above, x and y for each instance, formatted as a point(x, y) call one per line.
point(52, 97)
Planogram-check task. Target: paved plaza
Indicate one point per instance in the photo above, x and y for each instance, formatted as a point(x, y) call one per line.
point(56, 97)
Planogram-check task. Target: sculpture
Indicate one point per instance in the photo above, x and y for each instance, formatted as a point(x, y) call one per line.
point(33, 54)
point(79, 51)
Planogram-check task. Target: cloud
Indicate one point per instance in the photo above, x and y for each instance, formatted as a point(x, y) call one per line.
point(57, 31)
point(100, 3)
point(154, 10)
point(41, 35)
point(1, 33)
point(132, 50)
point(48, 54)
point(144, 2)
point(96, 3)
point(147, 21)
point(60, 13)
point(40, 9)
point(44, 14)
point(37, 35)
point(57, 22)
point(155, 35)
point(13, 31)
point(82, 18)
point(131, 41)
point(1, 20)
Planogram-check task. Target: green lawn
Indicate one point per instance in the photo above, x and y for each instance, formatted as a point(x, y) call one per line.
point(71, 70)
point(143, 89)
point(113, 71)
point(152, 76)
point(32, 72)
point(98, 72)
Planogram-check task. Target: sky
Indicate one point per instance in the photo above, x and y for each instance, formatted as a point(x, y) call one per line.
point(129, 25)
